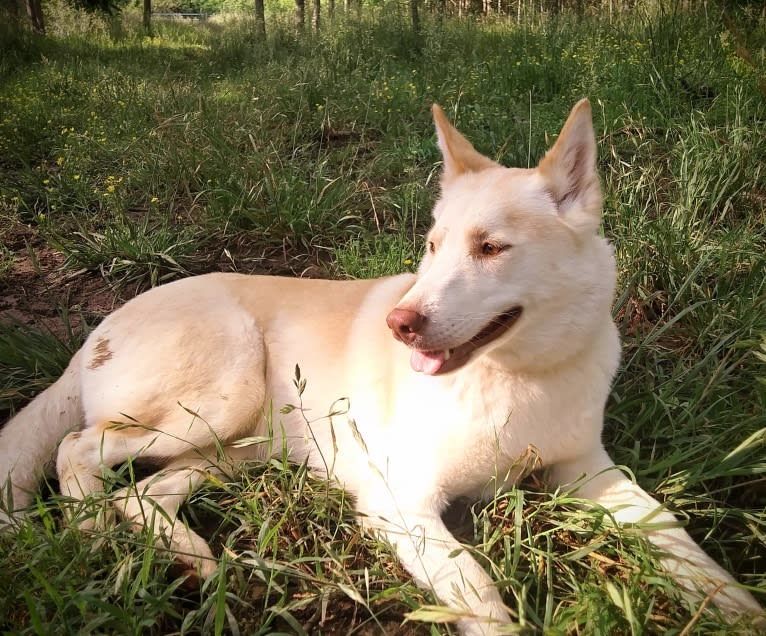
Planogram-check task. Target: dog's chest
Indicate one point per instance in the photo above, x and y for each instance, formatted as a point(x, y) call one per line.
point(490, 429)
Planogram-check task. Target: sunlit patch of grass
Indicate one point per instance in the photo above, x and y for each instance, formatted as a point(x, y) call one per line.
point(139, 253)
point(377, 255)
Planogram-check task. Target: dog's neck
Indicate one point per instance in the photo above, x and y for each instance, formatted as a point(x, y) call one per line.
point(542, 351)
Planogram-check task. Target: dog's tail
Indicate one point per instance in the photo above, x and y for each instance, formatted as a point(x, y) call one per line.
point(29, 440)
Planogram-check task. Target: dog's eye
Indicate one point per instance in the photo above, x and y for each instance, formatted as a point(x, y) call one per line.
point(490, 249)
point(431, 247)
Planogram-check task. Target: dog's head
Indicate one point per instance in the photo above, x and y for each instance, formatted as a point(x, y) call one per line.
point(513, 265)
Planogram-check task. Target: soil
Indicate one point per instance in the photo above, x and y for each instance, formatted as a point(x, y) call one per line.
point(39, 291)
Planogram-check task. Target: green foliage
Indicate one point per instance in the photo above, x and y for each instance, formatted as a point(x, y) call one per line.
point(131, 251)
point(30, 360)
point(207, 147)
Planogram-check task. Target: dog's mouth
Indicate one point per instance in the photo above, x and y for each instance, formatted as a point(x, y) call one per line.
point(441, 361)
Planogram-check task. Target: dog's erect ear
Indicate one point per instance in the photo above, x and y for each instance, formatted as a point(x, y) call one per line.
point(569, 169)
point(458, 153)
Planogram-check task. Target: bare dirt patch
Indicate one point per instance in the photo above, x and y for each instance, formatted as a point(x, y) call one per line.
point(39, 291)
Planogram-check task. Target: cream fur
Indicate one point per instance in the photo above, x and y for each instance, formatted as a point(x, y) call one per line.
point(224, 346)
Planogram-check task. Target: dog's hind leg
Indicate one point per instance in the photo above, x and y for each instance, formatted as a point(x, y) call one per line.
point(157, 429)
point(82, 454)
point(595, 477)
point(179, 433)
point(153, 503)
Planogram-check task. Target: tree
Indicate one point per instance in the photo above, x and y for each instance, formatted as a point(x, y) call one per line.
point(147, 18)
point(300, 14)
point(315, 16)
point(260, 17)
point(35, 13)
point(415, 16)
point(356, 3)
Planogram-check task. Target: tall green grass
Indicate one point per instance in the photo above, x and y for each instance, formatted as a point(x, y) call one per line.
point(206, 147)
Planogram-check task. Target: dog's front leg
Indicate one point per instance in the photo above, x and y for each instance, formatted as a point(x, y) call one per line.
point(437, 561)
point(595, 477)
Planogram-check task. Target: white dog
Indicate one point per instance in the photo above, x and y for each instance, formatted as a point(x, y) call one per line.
point(502, 343)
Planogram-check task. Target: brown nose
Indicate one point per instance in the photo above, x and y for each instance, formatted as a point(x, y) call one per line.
point(405, 324)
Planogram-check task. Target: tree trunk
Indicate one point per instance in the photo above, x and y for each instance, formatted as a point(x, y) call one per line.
point(260, 17)
point(315, 16)
point(147, 17)
point(300, 15)
point(415, 16)
point(330, 9)
point(35, 13)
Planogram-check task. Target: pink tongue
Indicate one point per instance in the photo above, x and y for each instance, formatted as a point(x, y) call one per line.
point(428, 362)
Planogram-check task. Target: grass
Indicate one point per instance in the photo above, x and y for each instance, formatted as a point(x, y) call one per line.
point(138, 160)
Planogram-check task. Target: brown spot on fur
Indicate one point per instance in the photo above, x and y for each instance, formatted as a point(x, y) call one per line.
point(101, 353)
